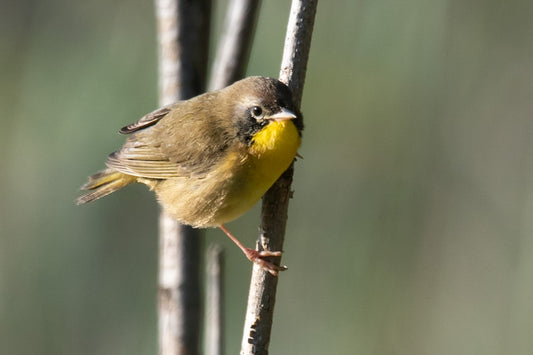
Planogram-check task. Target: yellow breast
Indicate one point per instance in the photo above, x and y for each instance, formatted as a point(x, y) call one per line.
point(273, 149)
point(271, 152)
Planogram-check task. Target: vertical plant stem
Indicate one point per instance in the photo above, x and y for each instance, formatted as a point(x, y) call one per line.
point(297, 46)
point(229, 66)
point(215, 300)
point(234, 46)
point(262, 294)
point(183, 37)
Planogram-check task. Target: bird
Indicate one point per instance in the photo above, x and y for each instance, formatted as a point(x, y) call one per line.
point(209, 159)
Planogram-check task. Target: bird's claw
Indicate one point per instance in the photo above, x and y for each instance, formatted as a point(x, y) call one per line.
point(257, 257)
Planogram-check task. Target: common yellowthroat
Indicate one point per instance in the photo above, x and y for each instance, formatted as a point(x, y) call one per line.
point(211, 158)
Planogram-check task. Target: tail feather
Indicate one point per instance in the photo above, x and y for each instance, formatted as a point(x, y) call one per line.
point(103, 183)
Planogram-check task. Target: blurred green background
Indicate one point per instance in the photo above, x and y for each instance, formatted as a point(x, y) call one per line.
point(410, 231)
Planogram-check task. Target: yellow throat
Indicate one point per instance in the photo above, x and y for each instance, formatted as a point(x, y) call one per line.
point(273, 149)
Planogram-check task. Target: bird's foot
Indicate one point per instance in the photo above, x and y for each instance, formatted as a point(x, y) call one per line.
point(257, 257)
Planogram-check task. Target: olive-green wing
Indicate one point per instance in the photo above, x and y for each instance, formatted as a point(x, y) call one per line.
point(175, 141)
point(145, 161)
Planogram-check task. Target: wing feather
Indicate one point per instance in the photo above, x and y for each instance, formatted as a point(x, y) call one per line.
point(147, 120)
point(181, 140)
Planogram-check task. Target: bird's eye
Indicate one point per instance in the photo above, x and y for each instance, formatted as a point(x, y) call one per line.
point(257, 111)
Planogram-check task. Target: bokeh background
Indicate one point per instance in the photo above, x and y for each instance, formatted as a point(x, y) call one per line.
point(411, 227)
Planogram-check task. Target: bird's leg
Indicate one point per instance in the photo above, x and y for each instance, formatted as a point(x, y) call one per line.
point(257, 256)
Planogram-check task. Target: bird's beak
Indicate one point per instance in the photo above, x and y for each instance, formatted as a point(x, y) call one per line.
point(282, 115)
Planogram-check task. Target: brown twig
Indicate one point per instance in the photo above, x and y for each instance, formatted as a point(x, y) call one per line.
point(262, 294)
point(229, 66)
point(183, 33)
point(234, 46)
point(215, 334)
